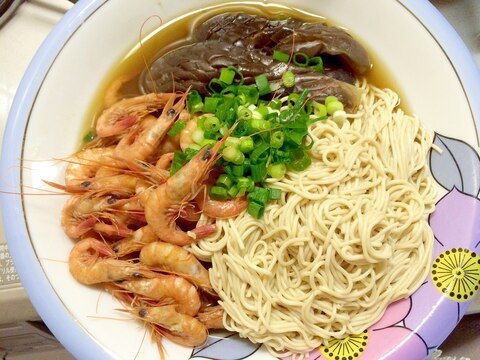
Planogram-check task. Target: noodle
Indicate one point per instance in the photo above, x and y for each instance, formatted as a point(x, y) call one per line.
point(348, 237)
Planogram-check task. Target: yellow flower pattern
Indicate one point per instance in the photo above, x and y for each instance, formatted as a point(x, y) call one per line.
point(456, 274)
point(349, 348)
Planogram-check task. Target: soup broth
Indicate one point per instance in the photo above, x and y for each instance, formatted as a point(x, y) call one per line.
point(179, 31)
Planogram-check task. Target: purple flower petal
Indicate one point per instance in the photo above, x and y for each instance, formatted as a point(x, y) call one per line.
point(455, 221)
point(432, 316)
point(394, 343)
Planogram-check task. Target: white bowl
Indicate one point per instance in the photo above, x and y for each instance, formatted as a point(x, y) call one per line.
point(427, 63)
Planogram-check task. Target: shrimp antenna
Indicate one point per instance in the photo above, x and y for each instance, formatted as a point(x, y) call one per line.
point(143, 53)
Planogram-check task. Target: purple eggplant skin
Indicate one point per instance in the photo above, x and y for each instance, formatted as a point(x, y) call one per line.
point(248, 42)
point(287, 35)
point(194, 65)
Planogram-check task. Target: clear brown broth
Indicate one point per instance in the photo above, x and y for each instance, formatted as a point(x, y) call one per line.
point(178, 32)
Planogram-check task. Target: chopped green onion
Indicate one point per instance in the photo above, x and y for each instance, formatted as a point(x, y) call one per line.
point(191, 151)
point(216, 86)
point(280, 56)
point(243, 113)
point(194, 101)
point(334, 106)
point(256, 210)
point(218, 193)
point(210, 104)
point(193, 147)
point(276, 139)
point(300, 59)
point(207, 142)
point(292, 99)
point(288, 79)
point(245, 183)
point(316, 63)
point(225, 181)
point(176, 128)
point(229, 91)
point(246, 145)
point(226, 76)
point(275, 104)
point(260, 153)
point(88, 137)
point(232, 140)
point(277, 171)
point(250, 93)
point(211, 124)
point(259, 195)
point(240, 192)
point(319, 110)
point(299, 160)
point(233, 191)
point(238, 170)
point(259, 172)
point(179, 158)
point(233, 155)
point(330, 98)
point(263, 110)
point(260, 124)
point(263, 84)
point(301, 100)
point(275, 194)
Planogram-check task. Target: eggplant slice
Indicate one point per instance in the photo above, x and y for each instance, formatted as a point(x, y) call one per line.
point(247, 42)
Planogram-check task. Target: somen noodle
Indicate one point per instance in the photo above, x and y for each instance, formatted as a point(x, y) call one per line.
point(348, 237)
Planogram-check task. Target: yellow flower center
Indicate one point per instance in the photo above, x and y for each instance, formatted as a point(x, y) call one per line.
point(456, 274)
point(349, 348)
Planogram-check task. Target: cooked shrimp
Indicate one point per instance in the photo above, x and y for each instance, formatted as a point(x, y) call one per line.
point(176, 259)
point(164, 203)
point(89, 211)
point(83, 165)
point(179, 328)
point(211, 317)
point(123, 114)
point(135, 242)
point(78, 214)
point(89, 267)
point(140, 143)
point(163, 287)
point(220, 209)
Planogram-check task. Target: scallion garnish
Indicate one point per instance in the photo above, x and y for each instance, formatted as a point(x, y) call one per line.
point(270, 137)
point(176, 128)
point(280, 56)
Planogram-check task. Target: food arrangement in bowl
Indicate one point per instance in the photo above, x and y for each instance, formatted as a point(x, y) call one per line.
point(250, 185)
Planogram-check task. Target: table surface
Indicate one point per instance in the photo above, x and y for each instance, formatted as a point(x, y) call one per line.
point(21, 35)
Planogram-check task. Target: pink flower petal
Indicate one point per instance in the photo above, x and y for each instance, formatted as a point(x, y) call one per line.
point(394, 343)
point(395, 313)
